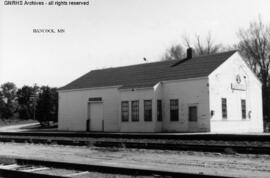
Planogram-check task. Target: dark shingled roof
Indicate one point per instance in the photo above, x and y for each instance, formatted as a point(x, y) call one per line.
point(148, 74)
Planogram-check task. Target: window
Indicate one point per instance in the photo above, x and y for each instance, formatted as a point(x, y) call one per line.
point(135, 110)
point(174, 111)
point(192, 113)
point(147, 110)
point(125, 111)
point(224, 108)
point(243, 109)
point(159, 110)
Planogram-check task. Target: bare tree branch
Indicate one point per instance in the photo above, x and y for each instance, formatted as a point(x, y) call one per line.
point(200, 47)
point(254, 45)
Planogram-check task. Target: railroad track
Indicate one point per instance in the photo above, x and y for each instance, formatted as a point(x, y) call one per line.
point(247, 146)
point(12, 167)
point(173, 136)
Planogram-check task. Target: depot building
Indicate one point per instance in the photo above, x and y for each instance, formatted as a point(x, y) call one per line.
point(213, 93)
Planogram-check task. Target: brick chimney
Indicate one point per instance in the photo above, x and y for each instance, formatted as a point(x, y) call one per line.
point(189, 53)
point(189, 56)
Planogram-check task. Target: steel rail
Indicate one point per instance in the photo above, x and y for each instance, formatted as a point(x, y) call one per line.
point(180, 136)
point(97, 168)
point(5, 173)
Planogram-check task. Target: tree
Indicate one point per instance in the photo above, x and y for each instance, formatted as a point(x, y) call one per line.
point(47, 105)
point(26, 97)
point(200, 47)
point(203, 47)
point(254, 45)
point(175, 52)
point(8, 104)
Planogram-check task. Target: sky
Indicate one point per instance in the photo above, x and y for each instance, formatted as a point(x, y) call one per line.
point(110, 33)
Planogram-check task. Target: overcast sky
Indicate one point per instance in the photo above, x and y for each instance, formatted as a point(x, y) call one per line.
point(110, 33)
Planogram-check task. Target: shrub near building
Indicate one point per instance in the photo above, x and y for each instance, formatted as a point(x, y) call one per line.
point(47, 105)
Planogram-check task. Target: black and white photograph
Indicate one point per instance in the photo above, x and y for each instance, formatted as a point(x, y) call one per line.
point(135, 88)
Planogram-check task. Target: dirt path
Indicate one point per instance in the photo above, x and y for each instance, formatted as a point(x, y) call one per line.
point(17, 127)
point(208, 163)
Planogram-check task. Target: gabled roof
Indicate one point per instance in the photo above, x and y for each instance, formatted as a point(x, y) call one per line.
point(148, 74)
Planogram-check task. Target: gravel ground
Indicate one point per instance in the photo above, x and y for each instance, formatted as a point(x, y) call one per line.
point(238, 165)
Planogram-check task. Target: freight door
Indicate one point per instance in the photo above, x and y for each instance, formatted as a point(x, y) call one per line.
point(96, 116)
point(193, 118)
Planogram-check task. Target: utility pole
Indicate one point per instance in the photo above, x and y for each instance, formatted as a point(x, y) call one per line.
point(33, 98)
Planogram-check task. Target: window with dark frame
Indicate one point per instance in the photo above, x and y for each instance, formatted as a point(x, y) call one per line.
point(243, 109)
point(135, 110)
point(192, 113)
point(147, 110)
point(224, 108)
point(125, 111)
point(174, 110)
point(159, 110)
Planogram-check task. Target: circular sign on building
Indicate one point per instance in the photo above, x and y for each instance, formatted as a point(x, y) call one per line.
point(238, 79)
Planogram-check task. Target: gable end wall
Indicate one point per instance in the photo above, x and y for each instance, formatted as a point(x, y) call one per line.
point(248, 88)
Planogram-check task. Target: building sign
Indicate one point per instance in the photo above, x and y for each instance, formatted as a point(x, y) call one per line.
point(238, 84)
point(238, 87)
point(95, 99)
